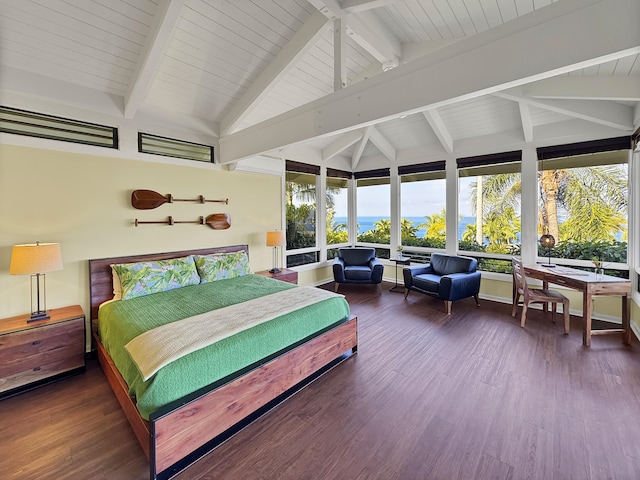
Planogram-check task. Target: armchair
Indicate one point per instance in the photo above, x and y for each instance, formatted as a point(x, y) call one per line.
point(447, 277)
point(357, 265)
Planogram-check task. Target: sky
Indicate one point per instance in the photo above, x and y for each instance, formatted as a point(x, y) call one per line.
point(419, 199)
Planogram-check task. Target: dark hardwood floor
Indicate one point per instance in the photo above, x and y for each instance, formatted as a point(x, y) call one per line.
point(470, 396)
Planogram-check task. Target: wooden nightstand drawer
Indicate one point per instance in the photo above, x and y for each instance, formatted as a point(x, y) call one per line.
point(35, 353)
point(29, 349)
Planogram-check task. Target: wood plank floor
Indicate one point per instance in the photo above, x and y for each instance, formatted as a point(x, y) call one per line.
point(470, 396)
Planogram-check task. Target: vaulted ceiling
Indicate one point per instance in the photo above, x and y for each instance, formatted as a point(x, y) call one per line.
point(353, 84)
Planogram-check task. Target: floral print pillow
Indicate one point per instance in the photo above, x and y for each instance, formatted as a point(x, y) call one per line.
point(219, 266)
point(145, 278)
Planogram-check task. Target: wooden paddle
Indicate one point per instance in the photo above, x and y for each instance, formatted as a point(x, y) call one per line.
point(148, 199)
point(217, 221)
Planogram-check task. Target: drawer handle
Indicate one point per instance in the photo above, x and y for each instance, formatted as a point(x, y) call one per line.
point(36, 369)
point(37, 342)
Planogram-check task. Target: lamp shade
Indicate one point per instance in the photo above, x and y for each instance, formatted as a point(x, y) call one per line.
point(547, 241)
point(35, 258)
point(276, 239)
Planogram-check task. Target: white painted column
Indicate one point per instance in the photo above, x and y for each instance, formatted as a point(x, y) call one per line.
point(452, 206)
point(529, 205)
point(321, 214)
point(352, 219)
point(394, 193)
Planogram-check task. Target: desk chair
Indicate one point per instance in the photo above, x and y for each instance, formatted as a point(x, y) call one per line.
point(536, 295)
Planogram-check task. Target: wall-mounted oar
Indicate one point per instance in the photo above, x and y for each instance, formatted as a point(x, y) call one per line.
point(148, 199)
point(217, 221)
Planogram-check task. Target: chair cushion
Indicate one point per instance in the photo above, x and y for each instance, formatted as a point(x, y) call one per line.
point(447, 264)
point(428, 282)
point(355, 272)
point(356, 256)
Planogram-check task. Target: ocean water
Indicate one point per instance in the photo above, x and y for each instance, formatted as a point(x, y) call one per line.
point(366, 223)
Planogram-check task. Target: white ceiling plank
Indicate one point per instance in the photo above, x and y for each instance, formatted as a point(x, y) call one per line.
point(610, 114)
point(341, 144)
point(355, 6)
point(439, 128)
point(587, 88)
point(302, 41)
point(372, 35)
point(382, 143)
point(357, 153)
point(527, 124)
point(154, 46)
point(339, 54)
point(476, 64)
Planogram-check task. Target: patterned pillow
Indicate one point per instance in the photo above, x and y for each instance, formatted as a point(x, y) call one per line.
point(219, 266)
point(145, 278)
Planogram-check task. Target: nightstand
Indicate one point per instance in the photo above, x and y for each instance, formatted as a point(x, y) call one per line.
point(285, 275)
point(35, 353)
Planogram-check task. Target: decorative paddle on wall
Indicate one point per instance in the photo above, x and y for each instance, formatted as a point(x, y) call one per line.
point(148, 199)
point(217, 221)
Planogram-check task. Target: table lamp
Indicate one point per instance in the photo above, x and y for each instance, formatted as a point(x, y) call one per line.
point(275, 239)
point(36, 259)
point(548, 242)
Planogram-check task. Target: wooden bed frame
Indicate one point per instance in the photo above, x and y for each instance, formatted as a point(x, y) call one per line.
point(181, 433)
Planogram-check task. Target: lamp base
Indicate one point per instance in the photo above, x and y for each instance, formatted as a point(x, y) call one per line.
point(548, 265)
point(36, 316)
point(275, 270)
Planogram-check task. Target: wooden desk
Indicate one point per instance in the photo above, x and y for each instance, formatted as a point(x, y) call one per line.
point(591, 286)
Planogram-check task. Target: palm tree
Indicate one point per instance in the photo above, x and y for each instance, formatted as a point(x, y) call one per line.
point(435, 225)
point(594, 200)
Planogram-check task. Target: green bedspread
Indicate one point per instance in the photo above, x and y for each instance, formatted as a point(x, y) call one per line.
point(120, 321)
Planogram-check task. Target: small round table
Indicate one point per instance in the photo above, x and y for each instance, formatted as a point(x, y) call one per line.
point(399, 260)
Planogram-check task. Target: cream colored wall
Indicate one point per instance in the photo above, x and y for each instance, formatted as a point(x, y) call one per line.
point(83, 202)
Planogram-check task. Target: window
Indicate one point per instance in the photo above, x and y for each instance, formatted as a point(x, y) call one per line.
point(583, 200)
point(337, 210)
point(301, 193)
point(373, 206)
point(422, 206)
point(489, 207)
point(170, 147)
point(37, 125)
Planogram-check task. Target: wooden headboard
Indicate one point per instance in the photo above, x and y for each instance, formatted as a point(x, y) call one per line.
point(101, 280)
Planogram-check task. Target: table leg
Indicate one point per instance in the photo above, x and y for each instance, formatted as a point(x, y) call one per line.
point(626, 319)
point(586, 318)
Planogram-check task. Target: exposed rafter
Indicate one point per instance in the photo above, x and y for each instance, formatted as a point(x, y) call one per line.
point(527, 125)
point(625, 88)
point(610, 114)
point(168, 14)
point(357, 153)
point(439, 128)
point(366, 30)
point(341, 144)
point(339, 54)
point(369, 32)
point(294, 50)
point(382, 143)
point(476, 64)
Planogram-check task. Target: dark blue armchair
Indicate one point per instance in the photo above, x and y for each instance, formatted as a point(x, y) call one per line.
point(447, 277)
point(357, 265)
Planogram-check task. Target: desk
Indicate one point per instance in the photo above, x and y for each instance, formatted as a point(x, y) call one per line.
point(399, 260)
point(591, 286)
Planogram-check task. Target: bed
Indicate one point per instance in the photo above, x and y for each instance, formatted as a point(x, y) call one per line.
point(175, 432)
